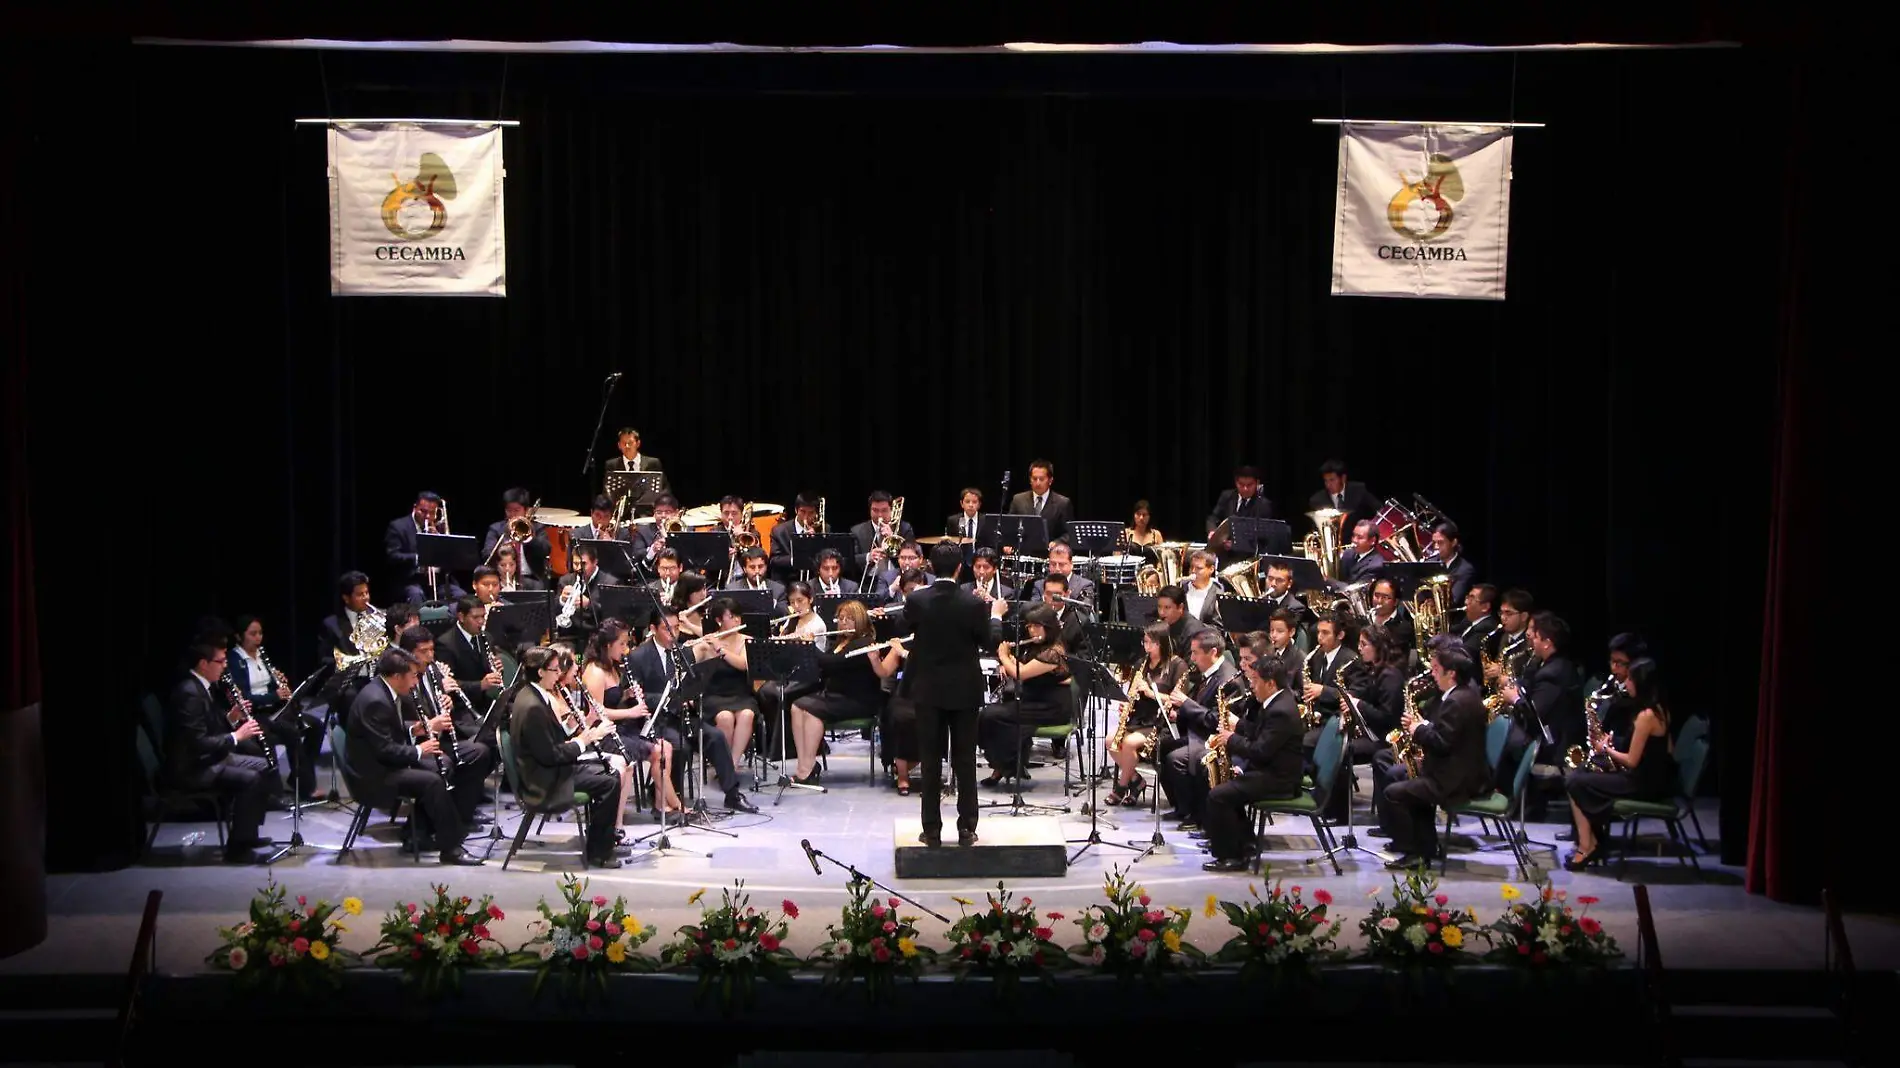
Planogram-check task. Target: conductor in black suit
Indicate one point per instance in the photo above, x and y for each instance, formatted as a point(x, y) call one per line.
point(631, 459)
point(1453, 770)
point(385, 752)
point(1342, 494)
point(1265, 749)
point(202, 751)
point(1056, 510)
point(943, 679)
point(548, 758)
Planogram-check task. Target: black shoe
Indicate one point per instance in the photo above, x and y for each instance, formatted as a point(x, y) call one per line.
point(933, 839)
point(737, 802)
point(1230, 864)
point(462, 857)
point(1407, 861)
point(966, 838)
point(1378, 832)
point(1174, 814)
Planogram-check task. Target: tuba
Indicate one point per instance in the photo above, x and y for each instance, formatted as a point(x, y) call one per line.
point(1324, 544)
point(1356, 598)
point(1170, 559)
point(1243, 578)
point(370, 635)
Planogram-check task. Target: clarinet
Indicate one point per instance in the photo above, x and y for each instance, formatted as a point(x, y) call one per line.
point(242, 706)
point(421, 730)
point(612, 745)
point(447, 737)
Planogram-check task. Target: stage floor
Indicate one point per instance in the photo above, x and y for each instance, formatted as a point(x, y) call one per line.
point(1704, 920)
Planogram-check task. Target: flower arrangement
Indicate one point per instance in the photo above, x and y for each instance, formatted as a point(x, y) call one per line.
point(586, 941)
point(1131, 935)
point(1278, 929)
point(734, 945)
point(1005, 942)
point(1546, 931)
point(871, 941)
point(433, 944)
point(1420, 925)
point(283, 945)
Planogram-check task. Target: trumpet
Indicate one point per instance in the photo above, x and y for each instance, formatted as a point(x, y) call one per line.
point(822, 529)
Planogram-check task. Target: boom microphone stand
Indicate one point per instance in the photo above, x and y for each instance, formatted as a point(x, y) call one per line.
point(857, 876)
point(613, 380)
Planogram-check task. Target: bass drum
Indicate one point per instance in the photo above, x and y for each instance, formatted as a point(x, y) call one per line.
point(1392, 519)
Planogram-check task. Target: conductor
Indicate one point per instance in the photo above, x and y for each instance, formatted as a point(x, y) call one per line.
point(942, 678)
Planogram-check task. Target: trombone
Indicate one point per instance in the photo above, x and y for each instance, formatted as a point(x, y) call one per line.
point(519, 530)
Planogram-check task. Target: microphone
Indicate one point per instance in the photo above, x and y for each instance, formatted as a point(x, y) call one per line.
point(811, 855)
point(1078, 604)
point(614, 377)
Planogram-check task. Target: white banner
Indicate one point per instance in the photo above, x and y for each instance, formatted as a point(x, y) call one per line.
point(1423, 211)
point(416, 210)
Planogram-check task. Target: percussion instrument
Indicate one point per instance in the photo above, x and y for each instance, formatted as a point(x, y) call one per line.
point(544, 515)
point(939, 539)
point(1117, 570)
point(704, 517)
point(1392, 519)
point(560, 534)
point(764, 518)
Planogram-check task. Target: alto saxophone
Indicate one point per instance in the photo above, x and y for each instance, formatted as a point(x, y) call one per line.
point(1597, 757)
point(1220, 766)
point(1401, 740)
point(1121, 726)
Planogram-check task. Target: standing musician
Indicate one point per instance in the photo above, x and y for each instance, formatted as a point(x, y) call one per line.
point(1645, 772)
point(1057, 511)
point(830, 569)
point(649, 539)
point(963, 522)
point(1447, 550)
point(508, 571)
point(1193, 711)
point(631, 459)
point(299, 732)
point(590, 578)
point(434, 699)
point(550, 741)
point(1362, 559)
point(987, 582)
point(1203, 587)
point(943, 680)
point(605, 678)
point(851, 688)
point(873, 530)
point(464, 649)
point(1039, 670)
point(1381, 703)
point(399, 548)
point(1142, 533)
point(1171, 609)
point(1140, 728)
point(752, 577)
point(1246, 500)
point(804, 521)
point(799, 623)
point(1264, 746)
point(601, 526)
point(1341, 494)
point(1481, 618)
point(532, 560)
point(394, 762)
point(1453, 770)
point(203, 751)
point(728, 703)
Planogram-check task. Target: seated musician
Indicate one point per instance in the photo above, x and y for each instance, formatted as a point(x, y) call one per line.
point(963, 522)
point(600, 523)
point(485, 584)
point(1038, 670)
point(1380, 697)
point(1203, 587)
point(405, 564)
point(1264, 748)
point(804, 521)
point(1448, 551)
point(987, 581)
point(589, 578)
point(852, 689)
point(801, 622)
point(1645, 771)
point(1244, 500)
point(397, 758)
point(1062, 562)
point(830, 569)
point(728, 703)
point(666, 565)
point(1452, 770)
point(338, 630)
point(654, 666)
point(752, 565)
point(649, 539)
point(472, 659)
point(550, 741)
point(632, 459)
point(204, 751)
point(1069, 619)
point(1140, 730)
point(1481, 618)
point(732, 522)
point(1618, 712)
point(1057, 511)
point(451, 719)
point(1282, 637)
point(508, 572)
point(608, 681)
point(1545, 702)
point(532, 559)
point(870, 557)
point(1338, 492)
point(1278, 595)
point(1141, 533)
point(1388, 613)
point(1332, 661)
point(1193, 712)
point(1361, 560)
point(1171, 609)
point(692, 595)
point(401, 616)
point(268, 690)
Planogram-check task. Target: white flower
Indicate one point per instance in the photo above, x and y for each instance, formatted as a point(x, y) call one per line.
point(1301, 944)
point(238, 958)
point(242, 929)
point(844, 947)
point(546, 951)
point(1390, 923)
point(1097, 932)
point(1416, 935)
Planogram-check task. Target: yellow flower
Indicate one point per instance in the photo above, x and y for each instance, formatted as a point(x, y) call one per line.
point(697, 894)
point(340, 927)
point(1211, 907)
point(320, 950)
point(1141, 891)
point(1172, 939)
point(616, 952)
point(907, 946)
point(633, 927)
point(964, 901)
point(1452, 936)
point(353, 906)
point(1510, 892)
point(1254, 890)
point(1421, 910)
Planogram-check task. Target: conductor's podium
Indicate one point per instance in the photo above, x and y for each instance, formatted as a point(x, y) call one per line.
point(1006, 848)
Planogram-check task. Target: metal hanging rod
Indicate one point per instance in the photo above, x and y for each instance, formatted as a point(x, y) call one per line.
point(1421, 122)
point(419, 122)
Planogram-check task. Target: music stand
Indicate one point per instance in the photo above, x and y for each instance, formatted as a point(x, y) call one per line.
point(1092, 538)
point(294, 708)
point(1240, 615)
point(806, 547)
point(998, 531)
point(826, 604)
point(520, 622)
point(1255, 537)
point(1115, 643)
point(622, 602)
point(638, 485)
point(1409, 577)
point(787, 663)
point(701, 550)
point(1306, 573)
point(750, 603)
point(1097, 684)
point(1349, 842)
point(446, 553)
point(1136, 609)
point(688, 684)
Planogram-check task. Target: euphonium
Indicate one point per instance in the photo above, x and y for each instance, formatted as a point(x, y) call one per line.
point(1243, 578)
point(1324, 545)
point(1356, 597)
point(1220, 766)
point(1168, 559)
point(1148, 580)
point(1404, 544)
point(1431, 612)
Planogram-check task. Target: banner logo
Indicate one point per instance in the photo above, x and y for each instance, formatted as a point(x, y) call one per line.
point(391, 229)
point(1421, 210)
point(413, 210)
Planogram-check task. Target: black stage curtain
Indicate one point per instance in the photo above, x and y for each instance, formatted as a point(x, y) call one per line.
point(835, 274)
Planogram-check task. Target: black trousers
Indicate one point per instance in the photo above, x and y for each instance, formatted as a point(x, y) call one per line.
point(446, 813)
point(717, 753)
point(900, 730)
point(476, 760)
point(1228, 820)
point(1183, 776)
point(1412, 816)
point(248, 786)
point(301, 735)
point(1386, 770)
point(1006, 729)
point(603, 801)
point(932, 722)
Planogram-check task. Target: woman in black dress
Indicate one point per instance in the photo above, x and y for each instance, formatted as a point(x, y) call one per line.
point(1159, 672)
point(627, 708)
point(1039, 671)
point(728, 698)
point(799, 624)
point(853, 671)
point(1381, 696)
point(1645, 772)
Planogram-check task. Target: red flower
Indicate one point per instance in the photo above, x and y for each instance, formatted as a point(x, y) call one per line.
point(1287, 927)
point(441, 928)
point(1323, 896)
point(301, 901)
point(296, 924)
point(1264, 929)
point(471, 947)
point(593, 925)
point(494, 913)
point(481, 931)
point(594, 942)
point(767, 942)
point(1564, 930)
point(1523, 949)
point(1442, 899)
point(881, 955)
point(600, 900)
point(1027, 902)
point(1055, 915)
point(1431, 928)
point(418, 937)
point(1436, 947)
point(1004, 949)
point(790, 910)
point(300, 946)
point(1590, 926)
point(1144, 899)
point(580, 952)
point(1146, 935)
point(1038, 957)
point(965, 951)
point(1272, 939)
point(415, 954)
point(1587, 900)
point(878, 910)
point(460, 919)
point(1044, 934)
point(732, 943)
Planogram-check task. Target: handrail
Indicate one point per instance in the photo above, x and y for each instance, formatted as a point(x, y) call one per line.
point(1649, 958)
point(144, 951)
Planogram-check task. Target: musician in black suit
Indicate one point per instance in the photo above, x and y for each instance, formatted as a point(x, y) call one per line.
point(871, 533)
point(1618, 713)
point(464, 648)
point(1171, 608)
point(1380, 699)
point(830, 581)
point(1040, 499)
point(435, 696)
point(533, 560)
point(804, 521)
point(1547, 700)
point(549, 761)
point(631, 459)
point(1334, 658)
point(1449, 551)
point(752, 577)
point(963, 522)
point(1244, 500)
point(203, 751)
point(1481, 618)
point(399, 548)
point(299, 731)
point(383, 751)
point(1069, 618)
point(1194, 714)
point(1361, 560)
point(1389, 614)
point(335, 631)
point(1062, 562)
point(1264, 747)
point(601, 526)
point(590, 578)
point(1341, 494)
point(1453, 770)
point(648, 540)
point(986, 581)
point(950, 632)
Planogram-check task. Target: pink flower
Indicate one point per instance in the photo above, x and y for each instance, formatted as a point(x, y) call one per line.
point(1442, 899)
point(1431, 928)
point(593, 925)
point(1146, 935)
point(791, 910)
point(1561, 894)
point(613, 930)
point(881, 955)
point(302, 901)
point(1590, 926)
point(878, 910)
point(889, 926)
point(1139, 949)
point(1296, 889)
point(1437, 947)
point(1055, 915)
point(296, 925)
point(300, 946)
point(412, 907)
point(471, 947)
point(600, 900)
point(767, 942)
point(1044, 934)
point(481, 931)
point(1323, 896)
point(1587, 900)
point(594, 942)
point(1144, 899)
point(892, 902)
point(580, 952)
point(494, 913)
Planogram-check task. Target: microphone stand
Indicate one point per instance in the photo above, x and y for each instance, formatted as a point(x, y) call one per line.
point(297, 844)
point(613, 381)
point(858, 876)
point(1348, 843)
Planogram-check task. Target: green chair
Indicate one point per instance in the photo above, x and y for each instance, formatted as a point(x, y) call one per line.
point(366, 804)
point(1697, 729)
point(1692, 755)
point(1326, 757)
point(578, 803)
point(164, 798)
point(1500, 807)
point(154, 720)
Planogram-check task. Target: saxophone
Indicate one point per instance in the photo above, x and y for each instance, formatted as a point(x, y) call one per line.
point(1349, 723)
point(1507, 672)
point(1309, 714)
point(1406, 749)
point(1121, 726)
point(1597, 757)
point(1220, 766)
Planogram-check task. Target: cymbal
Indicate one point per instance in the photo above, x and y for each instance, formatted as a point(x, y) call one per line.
point(541, 514)
point(704, 515)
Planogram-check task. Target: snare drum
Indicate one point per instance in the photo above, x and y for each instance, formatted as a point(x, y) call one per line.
point(1118, 570)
